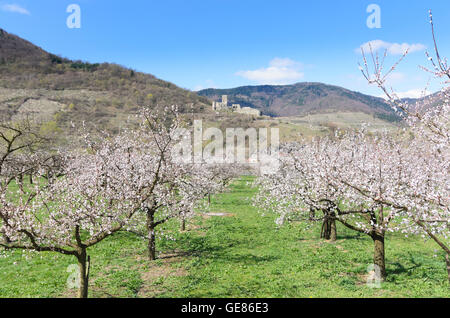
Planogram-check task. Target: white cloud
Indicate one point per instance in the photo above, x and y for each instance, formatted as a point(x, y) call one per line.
point(397, 77)
point(14, 8)
point(392, 48)
point(280, 71)
point(198, 88)
point(412, 93)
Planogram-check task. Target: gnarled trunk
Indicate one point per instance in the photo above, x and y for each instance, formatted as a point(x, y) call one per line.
point(151, 236)
point(312, 213)
point(328, 231)
point(84, 268)
point(333, 232)
point(325, 232)
point(379, 255)
point(447, 259)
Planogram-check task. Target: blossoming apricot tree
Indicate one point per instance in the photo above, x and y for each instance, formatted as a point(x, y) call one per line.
point(427, 194)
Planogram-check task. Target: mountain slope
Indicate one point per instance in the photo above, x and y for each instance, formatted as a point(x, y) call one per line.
point(16, 50)
point(303, 98)
point(105, 94)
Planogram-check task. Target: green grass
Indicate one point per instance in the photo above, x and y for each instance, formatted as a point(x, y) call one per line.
point(243, 254)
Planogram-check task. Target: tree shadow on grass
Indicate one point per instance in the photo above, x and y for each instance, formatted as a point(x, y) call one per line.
point(174, 254)
point(400, 269)
point(248, 259)
point(202, 247)
point(350, 237)
point(193, 246)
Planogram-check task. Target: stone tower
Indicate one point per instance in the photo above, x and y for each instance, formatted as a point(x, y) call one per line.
point(225, 100)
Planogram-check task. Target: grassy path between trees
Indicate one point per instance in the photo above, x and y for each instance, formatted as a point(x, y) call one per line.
point(234, 252)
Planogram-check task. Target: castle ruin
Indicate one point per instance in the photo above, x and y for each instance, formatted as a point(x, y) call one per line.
point(223, 105)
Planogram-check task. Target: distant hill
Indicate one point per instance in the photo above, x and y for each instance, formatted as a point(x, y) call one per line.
point(303, 98)
point(33, 80)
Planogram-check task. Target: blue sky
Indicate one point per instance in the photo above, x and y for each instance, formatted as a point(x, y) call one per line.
point(227, 43)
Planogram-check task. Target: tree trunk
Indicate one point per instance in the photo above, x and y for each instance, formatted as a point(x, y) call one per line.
point(325, 232)
point(183, 224)
point(151, 236)
point(21, 182)
point(84, 265)
point(152, 245)
point(447, 259)
point(328, 231)
point(312, 213)
point(378, 256)
point(333, 231)
point(209, 199)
